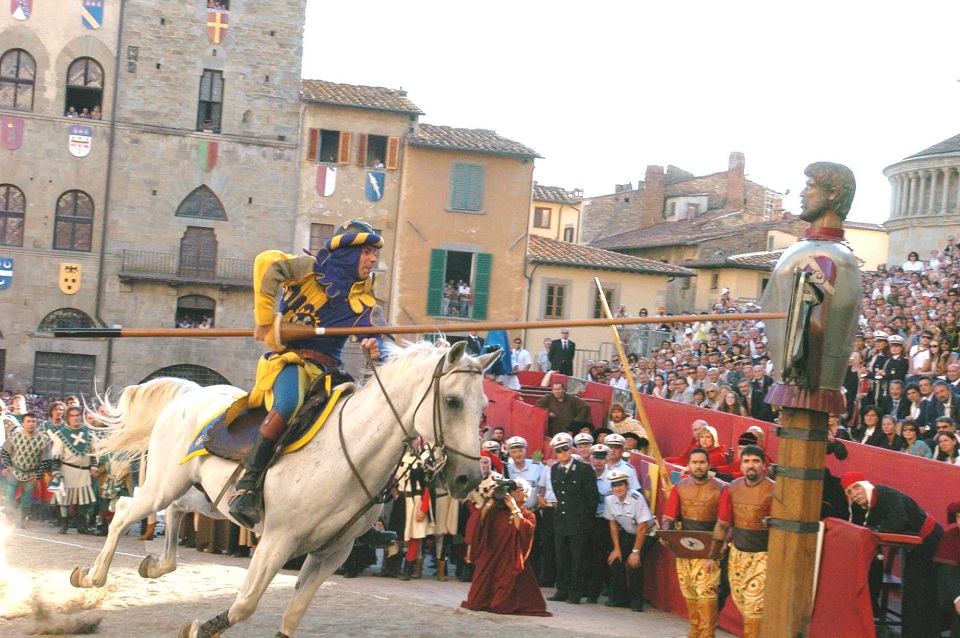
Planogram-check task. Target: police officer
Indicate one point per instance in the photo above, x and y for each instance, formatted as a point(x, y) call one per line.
point(600, 533)
point(575, 486)
point(583, 441)
point(631, 528)
point(615, 460)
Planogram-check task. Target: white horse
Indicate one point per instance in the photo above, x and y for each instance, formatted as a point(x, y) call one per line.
point(316, 503)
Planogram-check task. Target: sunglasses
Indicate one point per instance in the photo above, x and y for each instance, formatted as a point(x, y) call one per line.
point(562, 448)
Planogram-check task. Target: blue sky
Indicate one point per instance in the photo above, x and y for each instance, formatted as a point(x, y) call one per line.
point(602, 89)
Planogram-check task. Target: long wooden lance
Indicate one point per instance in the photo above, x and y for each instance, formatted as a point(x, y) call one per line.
point(292, 331)
point(635, 393)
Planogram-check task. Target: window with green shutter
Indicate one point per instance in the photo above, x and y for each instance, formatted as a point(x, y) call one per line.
point(466, 187)
point(459, 284)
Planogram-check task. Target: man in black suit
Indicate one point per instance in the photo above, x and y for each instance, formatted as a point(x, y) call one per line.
point(561, 353)
point(942, 402)
point(474, 343)
point(575, 486)
point(753, 401)
point(895, 402)
point(953, 377)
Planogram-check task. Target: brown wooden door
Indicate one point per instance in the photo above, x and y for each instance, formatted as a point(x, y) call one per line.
point(198, 253)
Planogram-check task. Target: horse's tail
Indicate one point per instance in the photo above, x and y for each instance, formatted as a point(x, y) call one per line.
point(130, 421)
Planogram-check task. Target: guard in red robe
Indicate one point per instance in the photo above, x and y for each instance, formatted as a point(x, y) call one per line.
point(504, 583)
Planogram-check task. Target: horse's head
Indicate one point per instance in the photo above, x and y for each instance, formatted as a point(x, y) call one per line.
point(451, 422)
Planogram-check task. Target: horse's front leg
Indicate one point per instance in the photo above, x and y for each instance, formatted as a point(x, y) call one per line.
point(271, 554)
point(313, 573)
point(128, 510)
point(153, 567)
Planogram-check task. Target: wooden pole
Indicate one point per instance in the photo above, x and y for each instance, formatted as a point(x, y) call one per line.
point(788, 600)
point(637, 401)
point(291, 331)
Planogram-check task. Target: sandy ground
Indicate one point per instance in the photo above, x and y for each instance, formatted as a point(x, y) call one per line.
point(35, 594)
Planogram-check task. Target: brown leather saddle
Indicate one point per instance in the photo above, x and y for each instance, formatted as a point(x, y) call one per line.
point(232, 438)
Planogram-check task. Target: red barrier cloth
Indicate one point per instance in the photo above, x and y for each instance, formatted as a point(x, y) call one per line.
point(517, 418)
point(842, 607)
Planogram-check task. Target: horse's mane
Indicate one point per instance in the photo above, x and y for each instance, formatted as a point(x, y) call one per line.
point(130, 421)
point(403, 361)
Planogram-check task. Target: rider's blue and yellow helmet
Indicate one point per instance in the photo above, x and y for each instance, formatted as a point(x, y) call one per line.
point(354, 233)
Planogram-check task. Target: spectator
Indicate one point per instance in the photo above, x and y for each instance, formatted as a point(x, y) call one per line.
point(543, 359)
point(562, 351)
point(947, 444)
point(562, 408)
point(912, 444)
point(890, 439)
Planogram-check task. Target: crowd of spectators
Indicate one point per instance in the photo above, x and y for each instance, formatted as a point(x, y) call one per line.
point(218, 5)
point(457, 299)
point(84, 113)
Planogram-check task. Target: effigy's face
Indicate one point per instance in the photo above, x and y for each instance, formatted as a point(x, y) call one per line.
point(813, 201)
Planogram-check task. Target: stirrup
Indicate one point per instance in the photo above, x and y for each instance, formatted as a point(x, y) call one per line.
point(247, 514)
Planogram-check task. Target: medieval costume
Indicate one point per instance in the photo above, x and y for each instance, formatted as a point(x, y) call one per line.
point(504, 583)
point(25, 457)
point(73, 458)
point(888, 510)
point(693, 505)
point(333, 288)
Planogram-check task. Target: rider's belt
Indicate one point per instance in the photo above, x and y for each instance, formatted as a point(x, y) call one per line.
point(79, 467)
point(317, 357)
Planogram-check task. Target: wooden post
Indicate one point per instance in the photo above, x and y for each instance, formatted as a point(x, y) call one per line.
point(791, 556)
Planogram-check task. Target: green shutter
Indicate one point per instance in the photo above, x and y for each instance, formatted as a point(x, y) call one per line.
point(475, 188)
point(481, 286)
point(466, 187)
point(438, 267)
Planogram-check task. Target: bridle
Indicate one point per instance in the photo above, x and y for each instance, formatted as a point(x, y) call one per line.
point(433, 458)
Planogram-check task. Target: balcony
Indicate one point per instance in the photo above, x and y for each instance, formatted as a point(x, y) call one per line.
point(173, 270)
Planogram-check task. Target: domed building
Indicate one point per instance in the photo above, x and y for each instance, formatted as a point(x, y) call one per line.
point(925, 200)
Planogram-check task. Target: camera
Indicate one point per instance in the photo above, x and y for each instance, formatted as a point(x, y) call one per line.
point(503, 489)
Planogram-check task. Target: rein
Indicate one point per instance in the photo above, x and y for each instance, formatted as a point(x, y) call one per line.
point(433, 463)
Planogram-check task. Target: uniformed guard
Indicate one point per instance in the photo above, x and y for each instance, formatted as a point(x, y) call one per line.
point(745, 508)
point(333, 288)
point(692, 506)
point(597, 572)
point(615, 460)
point(630, 526)
point(583, 441)
point(575, 487)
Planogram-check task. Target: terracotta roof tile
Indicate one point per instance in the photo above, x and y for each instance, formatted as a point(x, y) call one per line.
point(763, 260)
point(554, 194)
point(366, 97)
point(687, 232)
point(467, 139)
point(560, 253)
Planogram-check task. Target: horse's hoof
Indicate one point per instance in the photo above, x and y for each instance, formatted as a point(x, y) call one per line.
point(189, 629)
point(76, 576)
point(145, 565)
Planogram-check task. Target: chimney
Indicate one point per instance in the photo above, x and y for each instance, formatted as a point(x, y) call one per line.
point(736, 183)
point(651, 199)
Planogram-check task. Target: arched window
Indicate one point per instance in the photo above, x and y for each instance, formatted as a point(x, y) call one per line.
point(202, 203)
point(13, 205)
point(190, 372)
point(74, 223)
point(17, 74)
point(65, 318)
point(195, 311)
point(84, 89)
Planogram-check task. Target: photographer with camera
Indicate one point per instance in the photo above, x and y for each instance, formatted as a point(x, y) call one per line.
point(503, 581)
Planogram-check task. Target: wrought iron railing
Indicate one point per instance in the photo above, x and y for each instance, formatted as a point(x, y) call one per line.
point(142, 264)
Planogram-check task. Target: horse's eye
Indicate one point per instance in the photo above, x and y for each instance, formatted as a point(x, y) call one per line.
point(453, 403)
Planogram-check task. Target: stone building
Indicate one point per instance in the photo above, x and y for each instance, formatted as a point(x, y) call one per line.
point(152, 214)
point(924, 200)
point(675, 195)
point(351, 162)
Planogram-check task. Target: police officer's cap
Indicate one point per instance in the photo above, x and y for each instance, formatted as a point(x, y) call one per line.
point(583, 439)
point(617, 476)
point(599, 451)
point(561, 439)
point(492, 446)
point(516, 441)
point(615, 439)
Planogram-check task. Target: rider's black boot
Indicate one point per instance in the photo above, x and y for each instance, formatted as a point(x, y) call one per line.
point(246, 506)
point(378, 539)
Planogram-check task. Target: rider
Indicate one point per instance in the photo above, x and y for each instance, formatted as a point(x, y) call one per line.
point(334, 288)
